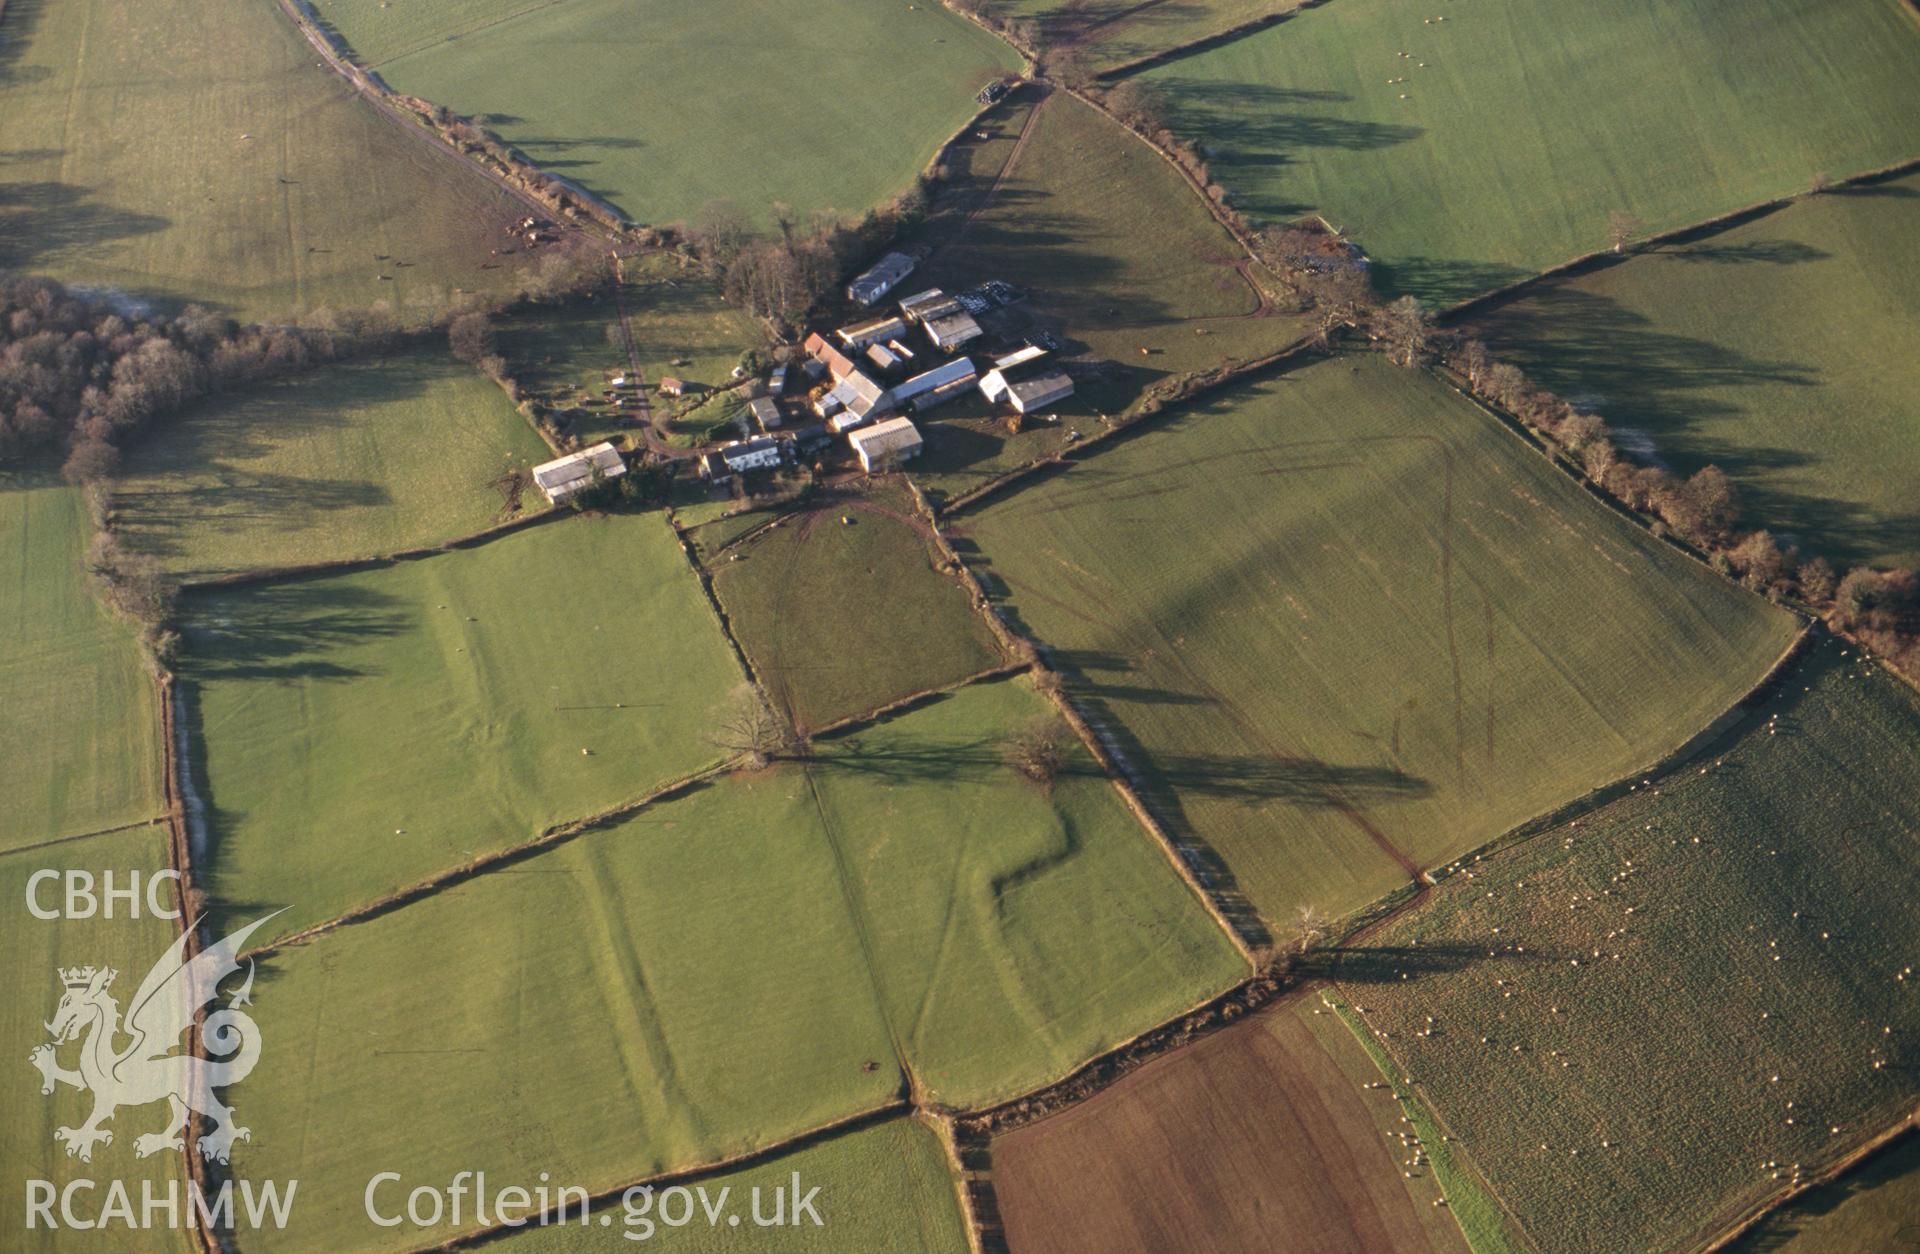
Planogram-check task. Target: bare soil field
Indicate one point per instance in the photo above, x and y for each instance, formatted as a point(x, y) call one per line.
point(1259, 1137)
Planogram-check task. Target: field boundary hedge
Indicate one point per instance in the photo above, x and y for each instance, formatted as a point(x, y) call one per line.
point(1601, 259)
point(452, 877)
point(158, 820)
point(859, 1121)
point(187, 899)
point(1193, 389)
point(1206, 43)
point(1847, 1163)
point(1238, 920)
point(377, 561)
point(520, 177)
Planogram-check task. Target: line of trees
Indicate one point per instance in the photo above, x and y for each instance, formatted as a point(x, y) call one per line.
point(1879, 607)
point(79, 377)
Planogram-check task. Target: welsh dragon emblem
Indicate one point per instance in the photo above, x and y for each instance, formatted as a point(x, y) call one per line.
point(147, 1069)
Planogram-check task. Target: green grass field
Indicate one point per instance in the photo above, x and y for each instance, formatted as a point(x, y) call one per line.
point(1785, 351)
point(671, 992)
point(197, 153)
point(29, 990)
point(881, 1188)
point(1664, 1021)
point(1344, 624)
point(357, 459)
point(358, 733)
point(1871, 1208)
point(1013, 931)
point(1112, 32)
point(665, 110)
point(840, 618)
point(1118, 254)
point(79, 746)
point(1515, 139)
point(727, 969)
point(681, 327)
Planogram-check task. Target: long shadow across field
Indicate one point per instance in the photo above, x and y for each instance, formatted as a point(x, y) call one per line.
point(288, 630)
point(41, 221)
point(1663, 384)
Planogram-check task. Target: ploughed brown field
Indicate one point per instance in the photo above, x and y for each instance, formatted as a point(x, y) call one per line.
point(1257, 1137)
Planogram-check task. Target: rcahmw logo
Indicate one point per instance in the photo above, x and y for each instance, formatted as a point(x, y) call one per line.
point(155, 1065)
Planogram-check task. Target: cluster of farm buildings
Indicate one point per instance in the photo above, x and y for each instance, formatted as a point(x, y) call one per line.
point(864, 382)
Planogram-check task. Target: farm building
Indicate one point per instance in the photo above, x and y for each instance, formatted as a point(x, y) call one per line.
point(837, 363)
point(1019, 357)
point(671, 386)
point(856, 397)
point(953, 331)
point(778, 382)
point(865, 333)
point(885, 445)
point(765, 412)
point(883, 358)
point(881, 279)
point(942, 394)
point(812, 438)
point(958, 371)
point(713, 468)
point(564, 476)
point(932, 303)
point(744, 455)
point(1046, 389)
point(993, 384)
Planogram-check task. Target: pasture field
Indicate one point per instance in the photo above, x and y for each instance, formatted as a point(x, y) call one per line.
point(1645, 1019)
point(1117, 252)
point(839, 618)
point(1014, 930)
point(744, 102)
point(563, 353)
point(1315, 614)
point(673, 991)
point(1786, 351)
point(196, 152)
point(1872, 1207)
point(1465, 146)
point(1113, 32)
point(1254, 1136)
point(727, 969)
point(79, 745)
point(354, 460)
point(887, 1187)
point(29, 990)
point(356, 733)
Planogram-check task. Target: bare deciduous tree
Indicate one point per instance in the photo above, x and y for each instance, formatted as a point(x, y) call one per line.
point(1040, 752)
point(753, 729)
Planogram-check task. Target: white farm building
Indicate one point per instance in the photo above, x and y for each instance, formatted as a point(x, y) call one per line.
point(885, 445)
point(564, 476)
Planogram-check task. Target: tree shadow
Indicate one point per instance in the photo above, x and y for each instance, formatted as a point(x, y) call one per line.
point(1397, 964)
point(287, 630)
point(201, 473)
point(44, 221)
point(1655, 380)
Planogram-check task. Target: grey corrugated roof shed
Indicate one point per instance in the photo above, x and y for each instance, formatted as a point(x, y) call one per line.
point(563, 476)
